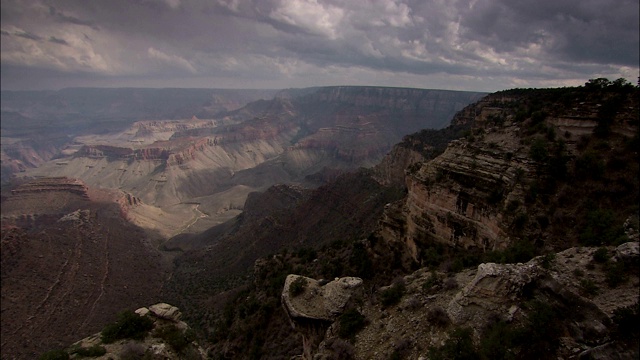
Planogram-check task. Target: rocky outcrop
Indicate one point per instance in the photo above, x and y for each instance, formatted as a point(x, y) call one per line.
point(44, 185)
point(169, 339)
point(507, 293)
point(496, 288)
point(165, 311)
point(44, 200)
point(628, 252)
point(313, 305)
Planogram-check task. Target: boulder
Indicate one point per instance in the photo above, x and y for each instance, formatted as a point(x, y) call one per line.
point(628, 252)
point(166, 311)
point(312, 309)
point(495, 288)
point(143, 311)
point(318, 302)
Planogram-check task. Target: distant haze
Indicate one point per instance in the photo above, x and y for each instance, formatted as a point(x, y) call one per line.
point(482, 45)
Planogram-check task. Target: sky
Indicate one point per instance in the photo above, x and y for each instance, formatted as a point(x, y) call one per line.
point(476, 45)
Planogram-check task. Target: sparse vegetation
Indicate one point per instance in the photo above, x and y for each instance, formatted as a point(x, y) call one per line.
point(351, 322)
point(438, 317)
point(601, 255)
point(392, 295)
point(432, 281)
point(92, 351)
point(128, 326)
point(627, 319)
point(459, 345)
point(133, 350)
point(578, 272)
point(589, 288)
point(615, 274)
point(601, 229)
point(538, 151)
point(175, 337)
point(547, 260)
point(54, 355)
point(297, 286)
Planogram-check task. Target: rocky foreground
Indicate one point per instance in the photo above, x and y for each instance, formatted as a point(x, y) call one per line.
point(571, 288)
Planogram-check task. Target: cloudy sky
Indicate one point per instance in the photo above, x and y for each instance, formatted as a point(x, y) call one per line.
point(482, 45)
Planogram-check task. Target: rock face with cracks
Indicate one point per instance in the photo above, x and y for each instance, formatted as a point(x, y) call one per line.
point(312, 309)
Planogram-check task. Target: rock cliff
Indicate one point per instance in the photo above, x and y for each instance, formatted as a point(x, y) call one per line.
point(484, 190)
point(312, 306)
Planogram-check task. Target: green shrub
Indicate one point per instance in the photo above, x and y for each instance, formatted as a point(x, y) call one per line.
point(498, 342)
point(538, 151)
point(589, 288)
point(627, 319)
point(458, 346)
point(432, 280)
point(351, 322)
point(601, 255)
point(128, 326)
point(361, 262)
point(547, 260)
point(520, 221)
point(589, 166)
point(578, 272)
point(513, 205)
point(600, 228)
point(615, 274)
point(520, 251)
point(307, 255)
point(393, 294)
point(298, 286)
point(457, 265)
point(54, 355)
point(176, 338)
point(538, 117)
point(432, 256)
point(93, 351)
point(539, 338)
point(438, 316)
point(495, 196)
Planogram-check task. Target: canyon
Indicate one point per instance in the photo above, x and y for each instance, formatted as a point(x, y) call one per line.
point(521, 205)
point(88, 174)
point(207, 168)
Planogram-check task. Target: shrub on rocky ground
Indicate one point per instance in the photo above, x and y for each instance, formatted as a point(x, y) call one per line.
point(128, 326)
point(393, 294)
point(351, 322)
point(54, 355)
point(92, 351)
point(298, 286)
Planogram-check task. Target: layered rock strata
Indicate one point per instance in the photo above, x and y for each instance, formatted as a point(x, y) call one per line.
point(315, 305)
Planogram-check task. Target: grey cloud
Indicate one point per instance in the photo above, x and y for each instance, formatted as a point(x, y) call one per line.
point(61, 17)
point(586, 31)
point(295, 40)
point(55, 40)
point(27, 35)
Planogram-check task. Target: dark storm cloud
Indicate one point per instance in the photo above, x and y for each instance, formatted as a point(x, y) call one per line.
point(59, 16)
point(487, 44)
point(55, 40)
point(27, 35)
point(585, 31)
